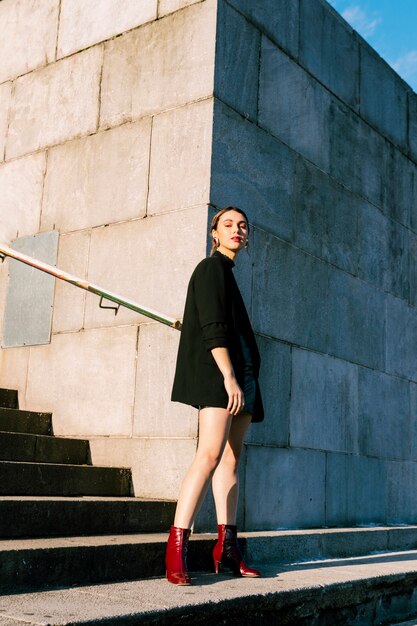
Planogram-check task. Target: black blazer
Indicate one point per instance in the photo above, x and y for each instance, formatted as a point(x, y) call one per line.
point(214, 316)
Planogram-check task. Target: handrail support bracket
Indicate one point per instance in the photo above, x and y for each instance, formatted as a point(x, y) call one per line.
point(103, 306)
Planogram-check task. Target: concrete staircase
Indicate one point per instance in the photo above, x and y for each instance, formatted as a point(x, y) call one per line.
point(64, 521)
point(72, 537)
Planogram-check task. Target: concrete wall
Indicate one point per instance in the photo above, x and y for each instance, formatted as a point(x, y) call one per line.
point(122, 136)
point(105, 137)
point(315, 136)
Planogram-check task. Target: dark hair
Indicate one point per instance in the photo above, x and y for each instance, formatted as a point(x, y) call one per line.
point(215, 221)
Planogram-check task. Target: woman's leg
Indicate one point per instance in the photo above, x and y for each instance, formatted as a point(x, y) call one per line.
point(214, 427)
point(226, 491)
point(225, 482)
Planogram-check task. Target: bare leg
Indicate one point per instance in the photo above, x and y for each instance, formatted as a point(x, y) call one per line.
point(214, 427)
point(225, 480)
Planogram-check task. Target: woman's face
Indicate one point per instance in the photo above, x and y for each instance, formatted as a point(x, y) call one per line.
point(231, 232)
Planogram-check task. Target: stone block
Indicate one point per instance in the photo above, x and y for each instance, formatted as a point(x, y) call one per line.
point(243, 272)
point(384, 416)
point(98, 179)
point(327, 44)
point(206, 517)
point(324, 403)
point(401, 492)
point(5, 95)
point(326, 217)
point(180, 158)
point(30, 294)
point(397, 607)
point(356, 320)
point(285, 488)
point(401, 538)
point(401, 339)
point(290, 300)
point(398, 199)
point(154, 414)
point(413, 420)
point(412, 125)
point(19, 53)
point(55, 114)
point(139, 260)
point(69, 302)
point(278, 19)
point(284, 546)
point(4, 280)
point(357, 154)
point(206, 520)
point(275, 383)
point(158, 465)
point(170, 6)
point(252, 170)
point(13, 371)
point(236, 74)
point(339, 543)
point(87, 380)
point(164, 64)
point(383, 97)
point(383, 252)
point(100, 20)
point(413, 269)
point(413, 206)
point(355, 490)
point(21, 184)
point(293, 106)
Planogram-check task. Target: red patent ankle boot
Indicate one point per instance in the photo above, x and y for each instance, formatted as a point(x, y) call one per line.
point(226, 552)
point(176, 556)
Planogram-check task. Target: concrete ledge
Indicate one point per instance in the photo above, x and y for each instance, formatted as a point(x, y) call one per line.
point(378, 589)
point(352, 602)
point(287, 546)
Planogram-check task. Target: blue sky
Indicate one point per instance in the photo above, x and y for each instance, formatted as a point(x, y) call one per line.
point(390, 27)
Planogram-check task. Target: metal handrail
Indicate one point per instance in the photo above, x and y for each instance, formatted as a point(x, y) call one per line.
point(83, 284)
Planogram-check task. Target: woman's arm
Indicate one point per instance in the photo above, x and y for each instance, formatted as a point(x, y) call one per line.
point(236, 399)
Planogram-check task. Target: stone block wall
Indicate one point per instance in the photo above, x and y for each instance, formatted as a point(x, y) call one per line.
point(318, 146)
point(124, 135)
point(105, 138)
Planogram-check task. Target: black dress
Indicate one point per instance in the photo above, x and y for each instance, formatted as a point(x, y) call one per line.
point(215, 316)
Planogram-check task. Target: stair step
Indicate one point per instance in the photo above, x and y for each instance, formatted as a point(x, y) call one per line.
point(43, 449)
point(18, 421)
point(45, 517)
point(48, 479)
point(39, 563)
point(379, 589)
point(8, 398)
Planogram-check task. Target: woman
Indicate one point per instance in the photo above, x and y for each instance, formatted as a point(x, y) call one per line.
point(217, 370)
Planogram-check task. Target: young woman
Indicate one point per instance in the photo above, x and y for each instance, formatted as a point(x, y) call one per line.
point(217, 372)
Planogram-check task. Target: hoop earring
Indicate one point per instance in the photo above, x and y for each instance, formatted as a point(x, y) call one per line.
point(246, 244)
point(216, 241)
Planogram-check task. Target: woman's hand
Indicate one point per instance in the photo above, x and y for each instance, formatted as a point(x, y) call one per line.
point(236, 398)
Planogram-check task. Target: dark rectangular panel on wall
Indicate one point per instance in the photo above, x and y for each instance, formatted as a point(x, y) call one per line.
point(30, 293)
